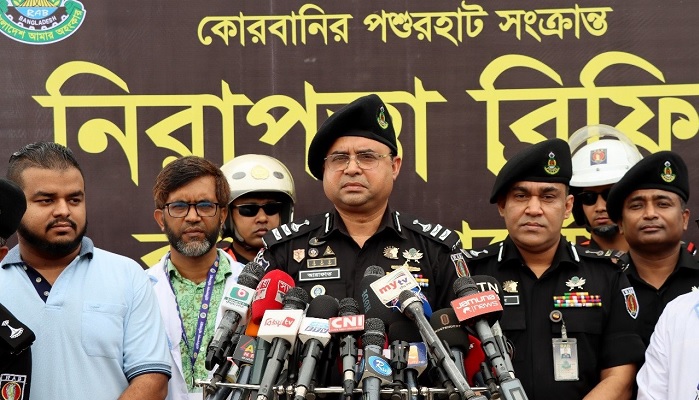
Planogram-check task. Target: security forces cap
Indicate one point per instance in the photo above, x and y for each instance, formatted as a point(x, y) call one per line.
point(12, 207)
point(664, 170)
point(366, 117)
point(547, 161)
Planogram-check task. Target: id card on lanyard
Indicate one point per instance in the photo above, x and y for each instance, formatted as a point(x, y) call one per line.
point(202, 315)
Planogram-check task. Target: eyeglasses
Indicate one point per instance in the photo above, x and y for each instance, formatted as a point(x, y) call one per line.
point(180, 209)
point(365, 160)
point(590, 198)
point(250, 210)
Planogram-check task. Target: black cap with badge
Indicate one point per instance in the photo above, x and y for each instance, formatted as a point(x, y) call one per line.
point(664, 170)
point(12, 207)
point(547, 161)
point(366, 117)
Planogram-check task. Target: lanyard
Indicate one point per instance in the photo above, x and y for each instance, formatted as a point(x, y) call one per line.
point(203, 312)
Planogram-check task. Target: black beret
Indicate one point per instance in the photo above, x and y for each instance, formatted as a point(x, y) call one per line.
point(12, 207)
point(366, 117)
point(547, 161)
point(664, 170)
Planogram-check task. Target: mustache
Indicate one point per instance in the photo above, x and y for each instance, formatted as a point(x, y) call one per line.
point(62, 221)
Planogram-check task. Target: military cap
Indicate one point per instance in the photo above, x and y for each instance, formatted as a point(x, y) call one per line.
point(547, 161)
point(12, 207)
point(366, 117)
point(664, 170)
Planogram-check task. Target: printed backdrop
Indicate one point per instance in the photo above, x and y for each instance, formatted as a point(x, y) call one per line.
point(129, 86)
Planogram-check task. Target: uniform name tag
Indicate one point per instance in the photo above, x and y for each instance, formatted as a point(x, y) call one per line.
point(319, 275)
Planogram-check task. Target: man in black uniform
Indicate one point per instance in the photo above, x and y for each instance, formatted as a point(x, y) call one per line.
point(15, 337)
point(549, 284)
point(354, 153)
point(650, 205)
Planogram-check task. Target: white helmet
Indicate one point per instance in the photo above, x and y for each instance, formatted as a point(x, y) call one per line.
point(601, 155)
point(258, 173)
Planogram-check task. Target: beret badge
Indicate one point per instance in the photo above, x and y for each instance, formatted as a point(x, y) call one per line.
point(552, 167)
point(667, 174)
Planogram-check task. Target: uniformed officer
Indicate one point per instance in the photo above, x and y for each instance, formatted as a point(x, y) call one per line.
point(650, 205)
point(569, 313)
point(15, 337)
point(601, 156)
point(355, 155)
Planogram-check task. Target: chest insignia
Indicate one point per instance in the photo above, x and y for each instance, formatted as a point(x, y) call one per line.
point(328, 252)
point(390, 252)
point(315, 242)
point(412, 254)
point(509, 286)
point(299, 255)
point(313, 252)
point(575, 282)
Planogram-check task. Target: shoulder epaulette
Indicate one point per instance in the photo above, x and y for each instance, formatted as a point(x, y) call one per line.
point(614, 256)
point(435, 232)
point(293, 229)
point(491, 250)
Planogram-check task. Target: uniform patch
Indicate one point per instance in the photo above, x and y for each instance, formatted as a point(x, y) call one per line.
point(511, 300)
point(276, 234)
point(460, 264)
point(577, 299)
point(12, 386)
point(299, 255)
point(510, 286)
point(575, 282)
point(315, 242)
point(413, 254)
point(390, 252)
point(598, 156)
point(319, 274)
point(631, 301)
point(328, 252)
point(317, 290)
point(321, 262)
point(313, 252)
point(286, 230)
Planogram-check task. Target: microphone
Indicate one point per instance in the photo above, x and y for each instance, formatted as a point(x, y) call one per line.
point(236, 310)
point(348, 321)
point(480, 309)
point(411, 306)
point(408, 355)
point(244, 356)
point(269, 293)
point(449, 330)
point(280, 328)
point(486, 283)
point(377, 369)
point(371, 304)
point(314, 334)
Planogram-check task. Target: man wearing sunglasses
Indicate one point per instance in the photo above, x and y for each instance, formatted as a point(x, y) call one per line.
point(601, 156)
point(262, 197)
point(650, 205)
point(354, 154)
point(190, 281)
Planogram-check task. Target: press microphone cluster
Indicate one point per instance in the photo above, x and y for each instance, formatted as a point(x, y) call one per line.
point(480, 310)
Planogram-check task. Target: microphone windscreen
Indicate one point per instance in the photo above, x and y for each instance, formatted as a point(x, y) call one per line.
point(270, 291)
point(251, 275)
point(404, 330)
point(374, 332)
point(472, 363)
point(348, 306)
point(323, 306)
point(295, 299)
point(448, 328)
point(465, 285)
point(486, 282)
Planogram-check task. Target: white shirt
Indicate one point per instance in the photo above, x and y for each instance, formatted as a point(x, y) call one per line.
point(671, 370)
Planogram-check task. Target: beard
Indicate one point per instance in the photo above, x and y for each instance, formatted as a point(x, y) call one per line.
point(192, 249)
point(53, 249)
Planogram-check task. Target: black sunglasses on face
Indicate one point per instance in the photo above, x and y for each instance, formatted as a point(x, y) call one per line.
point(590, 198)
point(250, 210)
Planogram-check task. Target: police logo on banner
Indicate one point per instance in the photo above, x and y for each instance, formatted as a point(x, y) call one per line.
point(631, 301)
point(40, 21)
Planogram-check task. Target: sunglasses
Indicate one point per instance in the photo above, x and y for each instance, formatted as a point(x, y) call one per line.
point(590, 198)
point(250, 210)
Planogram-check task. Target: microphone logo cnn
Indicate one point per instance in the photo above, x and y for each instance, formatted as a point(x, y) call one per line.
point(476, 305)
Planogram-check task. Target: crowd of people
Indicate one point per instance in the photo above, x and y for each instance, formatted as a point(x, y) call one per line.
point(581, 318)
